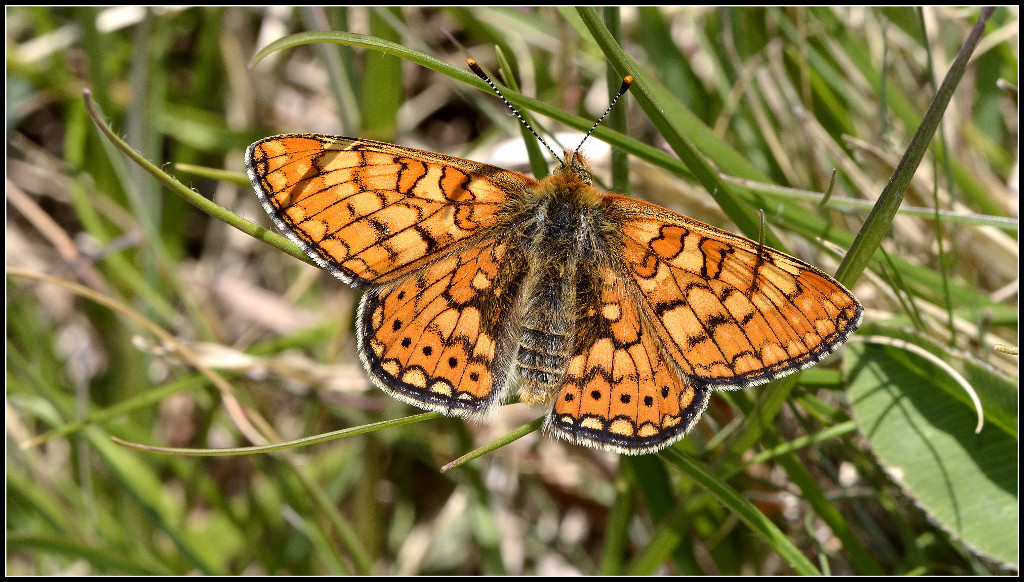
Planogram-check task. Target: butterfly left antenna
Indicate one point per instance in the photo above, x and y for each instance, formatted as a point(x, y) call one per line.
point(476, 68)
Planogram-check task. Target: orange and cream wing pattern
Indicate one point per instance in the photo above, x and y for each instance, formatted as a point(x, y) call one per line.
point(443, 338)
point(730, 312)
point(369, 212)
point(620, 391)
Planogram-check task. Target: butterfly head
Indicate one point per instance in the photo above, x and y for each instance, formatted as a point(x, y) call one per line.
point(575, 164)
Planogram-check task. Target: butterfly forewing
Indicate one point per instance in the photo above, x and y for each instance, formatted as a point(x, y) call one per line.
point(731, 313)
point(370, 212)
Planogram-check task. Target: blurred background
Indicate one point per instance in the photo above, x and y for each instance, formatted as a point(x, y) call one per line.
point(132, 313)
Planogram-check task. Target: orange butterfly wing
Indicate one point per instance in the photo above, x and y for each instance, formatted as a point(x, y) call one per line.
point(444, 337)
point(369, 212)
point(407, 225)
point(730, 312)
point(690, 308)
point(620, 392)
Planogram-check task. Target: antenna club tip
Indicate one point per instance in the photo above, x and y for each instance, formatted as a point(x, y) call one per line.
point(476, 68)
point(626, 82)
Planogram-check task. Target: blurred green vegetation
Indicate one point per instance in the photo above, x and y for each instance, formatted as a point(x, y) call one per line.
point(773, 99)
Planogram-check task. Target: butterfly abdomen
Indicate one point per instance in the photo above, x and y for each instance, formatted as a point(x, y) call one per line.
point(544, 343)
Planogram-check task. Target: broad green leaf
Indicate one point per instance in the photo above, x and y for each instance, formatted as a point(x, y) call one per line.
point(922, 431)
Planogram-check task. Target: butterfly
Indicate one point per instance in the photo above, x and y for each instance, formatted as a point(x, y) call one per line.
point(618, 315)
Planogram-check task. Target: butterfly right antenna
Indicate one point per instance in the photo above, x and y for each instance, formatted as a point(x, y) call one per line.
point(476, 68)
point(626, 82)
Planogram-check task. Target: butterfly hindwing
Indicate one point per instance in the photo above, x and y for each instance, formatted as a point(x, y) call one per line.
point(620, 392)
point(443, 337)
